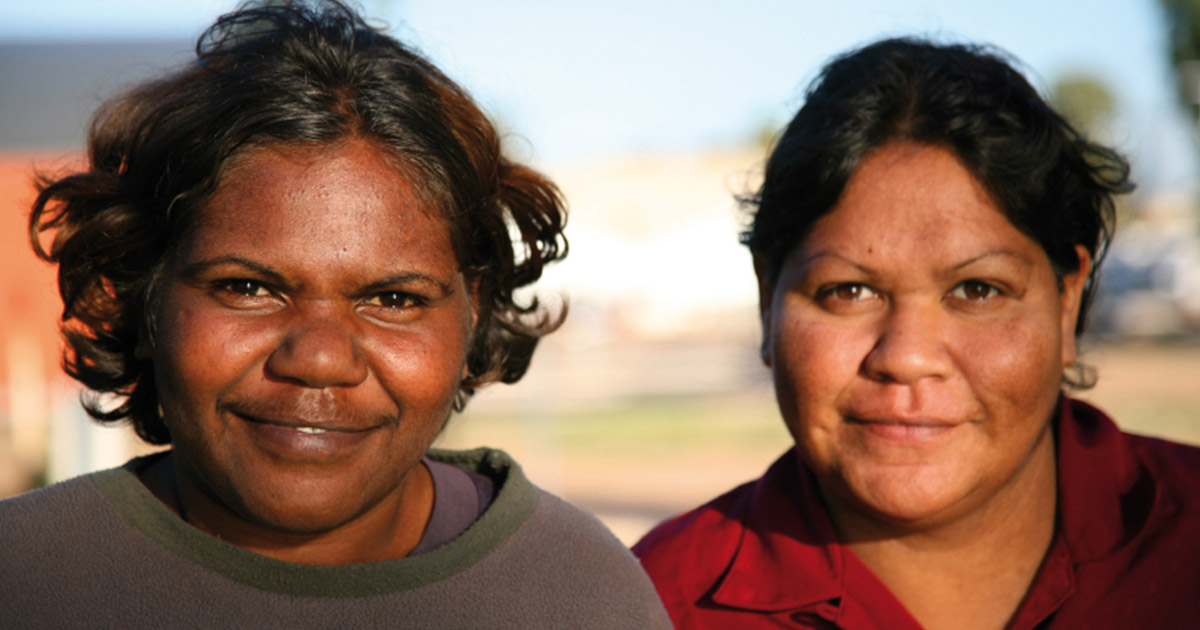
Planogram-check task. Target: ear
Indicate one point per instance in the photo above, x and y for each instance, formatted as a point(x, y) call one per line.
point(1071, 297)
point(766, 296)
point(473, 294)
point(472, 287)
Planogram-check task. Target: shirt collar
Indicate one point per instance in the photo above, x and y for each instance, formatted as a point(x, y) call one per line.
point(1101, 488)
point(1104, 494)
point(785, 529)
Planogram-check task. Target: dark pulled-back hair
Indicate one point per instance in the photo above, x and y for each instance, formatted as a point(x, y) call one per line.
point(1051, 182)
point(283, 73)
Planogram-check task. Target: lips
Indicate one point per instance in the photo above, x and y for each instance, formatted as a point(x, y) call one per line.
point(908, 426)
point(311, 426)
point(305, 437)
point(903, 431)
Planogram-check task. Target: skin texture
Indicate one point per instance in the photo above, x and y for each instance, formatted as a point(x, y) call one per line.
point(313, 292)
point(917, 341)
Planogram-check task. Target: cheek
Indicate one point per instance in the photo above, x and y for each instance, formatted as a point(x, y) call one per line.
point(814, 363)
point(188, 368)
point(1014, 362)
point(422, 368)
point(194, 343)
point(200, 357)
point(183, 354)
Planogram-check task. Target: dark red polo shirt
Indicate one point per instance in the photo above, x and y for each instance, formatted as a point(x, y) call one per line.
point(1126, 553)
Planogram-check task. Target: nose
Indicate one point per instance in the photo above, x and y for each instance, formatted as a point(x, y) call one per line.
point(910, 346)
point(319, 351)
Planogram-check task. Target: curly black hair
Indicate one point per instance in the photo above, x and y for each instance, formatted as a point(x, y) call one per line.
point(287, 73)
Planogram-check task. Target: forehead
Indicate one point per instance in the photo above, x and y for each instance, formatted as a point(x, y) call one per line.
point(326, 202)
point(918, 196)
point(268, 169)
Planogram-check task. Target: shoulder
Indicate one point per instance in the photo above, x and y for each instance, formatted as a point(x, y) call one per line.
point(1129, 513)
point(61, 504)
point(60, 543)
point(1176, 457)
point(556, 558)
point(64, 520)
point(537, 513)
point(746, 550)
point(1172, 466)
point(687, 555)
point(558, 528)
point(703, 540)
point(679, 538)
point(580, 558)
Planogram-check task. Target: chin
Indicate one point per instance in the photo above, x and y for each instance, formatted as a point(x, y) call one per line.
point(299, 506)
point(922, 495)
point(303, 516)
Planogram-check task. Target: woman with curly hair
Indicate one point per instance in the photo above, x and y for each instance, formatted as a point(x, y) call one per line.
point(290, 262)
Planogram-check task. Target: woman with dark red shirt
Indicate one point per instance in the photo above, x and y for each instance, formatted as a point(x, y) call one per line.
point(926, 241)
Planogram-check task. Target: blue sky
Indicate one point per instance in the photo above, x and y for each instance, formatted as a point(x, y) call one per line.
point(577, 80)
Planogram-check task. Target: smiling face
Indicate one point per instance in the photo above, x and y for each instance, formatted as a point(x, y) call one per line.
point(311, 335)
point(917, 340)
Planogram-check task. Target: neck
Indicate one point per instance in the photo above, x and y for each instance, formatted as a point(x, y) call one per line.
point(381, 536)
point(971, 571)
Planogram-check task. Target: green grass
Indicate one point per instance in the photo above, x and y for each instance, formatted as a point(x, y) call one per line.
point(635, 427)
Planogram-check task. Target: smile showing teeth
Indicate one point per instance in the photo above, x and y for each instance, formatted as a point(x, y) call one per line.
point(290, 437)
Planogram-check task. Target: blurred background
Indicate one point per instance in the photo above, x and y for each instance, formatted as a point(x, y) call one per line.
point(651, 116)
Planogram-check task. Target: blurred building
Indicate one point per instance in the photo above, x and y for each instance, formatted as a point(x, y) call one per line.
point(1150, 283)
point(47, 94)
point(44, 434)
point(662, 296)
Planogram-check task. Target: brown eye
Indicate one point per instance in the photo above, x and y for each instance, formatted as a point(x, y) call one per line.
point(847, 297)
point(241, 286)
point(975, 291)
point(852, 292)
point(393, 299)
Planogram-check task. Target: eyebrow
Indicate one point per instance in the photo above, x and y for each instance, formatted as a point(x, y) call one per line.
point(407, 278)
point(957, 267)
point(196, 269)
point(992, 254)
point(819, 255)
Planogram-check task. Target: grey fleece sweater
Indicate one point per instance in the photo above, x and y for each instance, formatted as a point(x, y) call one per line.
point(101, 552)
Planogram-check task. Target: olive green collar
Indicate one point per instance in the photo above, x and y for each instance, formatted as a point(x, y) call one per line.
point(513, 504)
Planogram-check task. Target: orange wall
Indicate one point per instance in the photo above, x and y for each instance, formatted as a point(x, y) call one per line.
point(29, 304)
